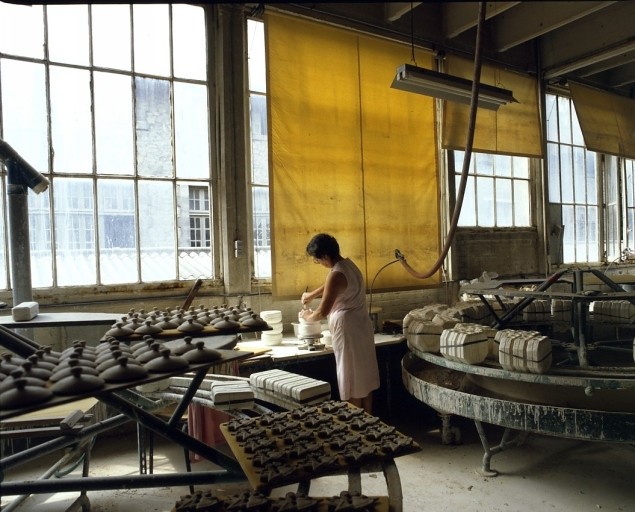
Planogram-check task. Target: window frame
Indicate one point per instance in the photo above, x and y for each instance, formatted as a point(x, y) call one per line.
point(98, 287)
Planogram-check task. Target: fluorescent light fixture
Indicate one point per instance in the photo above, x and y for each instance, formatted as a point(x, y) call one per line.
point(447, 87)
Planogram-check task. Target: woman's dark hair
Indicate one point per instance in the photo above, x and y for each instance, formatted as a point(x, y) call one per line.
point(322, 245)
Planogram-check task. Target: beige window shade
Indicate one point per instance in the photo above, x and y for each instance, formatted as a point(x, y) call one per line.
point(349, 156)
point(513, 129)
point(607, 120)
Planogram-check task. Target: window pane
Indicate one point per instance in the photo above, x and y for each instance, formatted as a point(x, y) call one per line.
point(485, 206)
point(191, 131)
point(22, 30)
point(566, 174)
point(504, 204)
point(577, 137)
point(521, 203)
point(568, 237)
point(256, 56)
point(154, 133)
point(194, 228)
point(553, 163)
point(151, 39)
point(71, 120)
point(483, 163)
point(468, 210)
point(40, 240)
point(259, 140)
point(113, 124)
point(593, 246)
point(111, 52)
point(188, 27)
point(4, 283)
point(24, 118)
point(551, 109)
point(581, 233)
point(591, 178)
point(564, 118)
point(117, 239)
point(521, 167)
point(580, 173)
point(502, 165)
point(68, 33)
point(157, 231)
point(74, 231)
point(262, 232)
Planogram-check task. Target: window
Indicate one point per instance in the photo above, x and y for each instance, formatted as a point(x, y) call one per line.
point(497, 190)
point(259, 150)
point(572, 182)
point(629, 192)
point(110, 102)
point(200, 235)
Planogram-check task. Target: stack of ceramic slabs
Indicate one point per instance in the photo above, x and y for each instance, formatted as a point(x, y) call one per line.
point(524, 351)
point(298, 388)
point(231, 394)
point(561, 310)
point(288, 447)
point(537, 311)
point(614, 311)
point(466, 343)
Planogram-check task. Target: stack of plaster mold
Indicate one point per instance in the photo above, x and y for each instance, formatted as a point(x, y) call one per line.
point(465, 343)
point(231, 393)
point(474, 312)
point(298, 388)
point(537, 311)
point(524, 351)
point(423, 327)
point(561, 310)
point(614, 311)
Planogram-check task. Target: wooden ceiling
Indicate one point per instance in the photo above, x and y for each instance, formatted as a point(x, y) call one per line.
point(591, 42)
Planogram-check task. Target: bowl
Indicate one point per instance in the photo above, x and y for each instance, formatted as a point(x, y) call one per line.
point(301, 329)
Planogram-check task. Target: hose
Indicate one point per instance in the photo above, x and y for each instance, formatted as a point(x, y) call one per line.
point(466, 158)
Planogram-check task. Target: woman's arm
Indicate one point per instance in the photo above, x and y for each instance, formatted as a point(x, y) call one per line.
point(335, 284)
point(307, 297)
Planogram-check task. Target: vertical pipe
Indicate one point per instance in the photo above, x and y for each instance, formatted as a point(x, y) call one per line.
point(19, 235)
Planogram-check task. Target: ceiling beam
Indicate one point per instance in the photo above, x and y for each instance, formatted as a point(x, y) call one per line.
point(622, 76)
point(607, 28)
point(533, 19)
point(396, 10)
point(461, 16)
point(608, 64)
point(589, 59)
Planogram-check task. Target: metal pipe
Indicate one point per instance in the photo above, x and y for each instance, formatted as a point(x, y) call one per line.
point(469, 143)
point(58, 443)
point(116, 482)
point(19, 248)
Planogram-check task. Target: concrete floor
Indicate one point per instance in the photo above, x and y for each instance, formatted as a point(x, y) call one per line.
point(540, 475)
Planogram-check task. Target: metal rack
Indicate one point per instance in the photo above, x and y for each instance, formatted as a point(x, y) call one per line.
point(535, 414)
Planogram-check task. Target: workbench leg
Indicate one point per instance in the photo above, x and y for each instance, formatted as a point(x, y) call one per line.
point(449, 434)
point(504, 444)
point(354, 480)
point(304, 486)
point(393, 484)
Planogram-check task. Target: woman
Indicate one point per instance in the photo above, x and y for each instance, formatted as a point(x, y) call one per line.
point(344, 303)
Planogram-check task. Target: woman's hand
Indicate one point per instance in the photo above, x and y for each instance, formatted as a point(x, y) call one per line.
point(306, 298)
point(305, 314)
